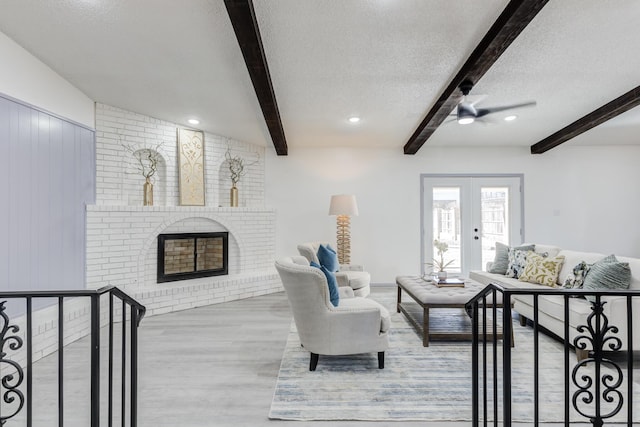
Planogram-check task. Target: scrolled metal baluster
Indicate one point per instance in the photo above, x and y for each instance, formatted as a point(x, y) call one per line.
point(615, 344)
point(584, 388)
point(581, 341)
point(10, 382)
point(611, 384)
point(599, 339)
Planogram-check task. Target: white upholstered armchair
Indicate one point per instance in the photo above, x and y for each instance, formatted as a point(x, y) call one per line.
point(357, 325)
point(351, 275)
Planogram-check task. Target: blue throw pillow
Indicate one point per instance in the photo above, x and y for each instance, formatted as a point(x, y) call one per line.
point(334, 295)
point(328, 258)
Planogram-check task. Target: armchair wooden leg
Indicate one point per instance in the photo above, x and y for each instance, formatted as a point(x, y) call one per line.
point(381, 360)
point(314, 362)
point(581, 354)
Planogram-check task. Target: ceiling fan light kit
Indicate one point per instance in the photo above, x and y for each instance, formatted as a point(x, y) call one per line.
point(467, 113)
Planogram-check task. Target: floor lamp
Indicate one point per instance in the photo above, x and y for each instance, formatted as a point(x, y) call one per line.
point(344, 206)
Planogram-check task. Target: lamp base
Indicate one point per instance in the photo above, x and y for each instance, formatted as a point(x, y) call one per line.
point(344, 239)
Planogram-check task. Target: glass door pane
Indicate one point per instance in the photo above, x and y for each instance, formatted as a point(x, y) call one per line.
point(494, 208)
point(447, 227)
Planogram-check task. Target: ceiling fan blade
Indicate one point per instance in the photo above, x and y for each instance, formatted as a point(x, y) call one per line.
point(475, 99)
point(491, 110)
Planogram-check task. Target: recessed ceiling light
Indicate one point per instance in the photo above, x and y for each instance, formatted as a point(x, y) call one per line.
point(354, 119)
point(510, 118)
point(194, 121)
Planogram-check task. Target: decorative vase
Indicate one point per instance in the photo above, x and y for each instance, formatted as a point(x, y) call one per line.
point(147, 189)
point(442, 275)
point(233, 202)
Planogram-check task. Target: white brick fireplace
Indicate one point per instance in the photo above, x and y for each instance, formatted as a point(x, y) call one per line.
point(122, 234)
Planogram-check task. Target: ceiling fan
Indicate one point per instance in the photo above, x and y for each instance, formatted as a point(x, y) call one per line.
point(467, 112)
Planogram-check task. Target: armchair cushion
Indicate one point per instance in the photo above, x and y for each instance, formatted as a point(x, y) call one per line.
point(334, 295)
point(328, 258)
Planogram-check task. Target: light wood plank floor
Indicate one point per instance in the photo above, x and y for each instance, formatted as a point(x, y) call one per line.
point(222, 360)
point(210, 366)
point(217, 365)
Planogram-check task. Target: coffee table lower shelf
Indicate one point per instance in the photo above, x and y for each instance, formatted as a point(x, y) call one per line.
point(455, 326)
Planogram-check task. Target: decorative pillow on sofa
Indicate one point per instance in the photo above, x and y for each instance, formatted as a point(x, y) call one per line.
point(517, 261)
point(607, 273)
point(541, 270)
point(575, 279)
point(501, 260)
point(334, 294)
point(328, 258)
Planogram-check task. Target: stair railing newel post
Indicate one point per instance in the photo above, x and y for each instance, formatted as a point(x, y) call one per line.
point(95, 360)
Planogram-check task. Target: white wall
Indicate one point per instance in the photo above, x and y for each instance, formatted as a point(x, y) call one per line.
point(582, 198)
point(26, 78)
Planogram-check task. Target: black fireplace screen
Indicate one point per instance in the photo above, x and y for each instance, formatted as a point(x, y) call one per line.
point(192, 255)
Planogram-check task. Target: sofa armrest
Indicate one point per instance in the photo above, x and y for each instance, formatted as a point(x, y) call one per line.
point(351, 267)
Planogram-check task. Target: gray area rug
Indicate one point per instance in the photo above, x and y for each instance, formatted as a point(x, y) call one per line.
point(420, 383)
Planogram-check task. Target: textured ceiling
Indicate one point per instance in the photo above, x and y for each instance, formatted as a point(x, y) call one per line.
point(383, 60)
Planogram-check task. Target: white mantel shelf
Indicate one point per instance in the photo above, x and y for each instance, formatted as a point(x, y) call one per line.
point(179, 209)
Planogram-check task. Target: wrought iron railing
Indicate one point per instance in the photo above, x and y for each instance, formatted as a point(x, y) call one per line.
point(59, 318)
point(596, 385)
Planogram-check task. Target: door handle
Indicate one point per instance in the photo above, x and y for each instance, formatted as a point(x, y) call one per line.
point(475, 237)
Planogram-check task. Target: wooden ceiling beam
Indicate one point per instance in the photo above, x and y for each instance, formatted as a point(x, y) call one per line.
point(513, 19)
point(245, 25)
point(608, 111)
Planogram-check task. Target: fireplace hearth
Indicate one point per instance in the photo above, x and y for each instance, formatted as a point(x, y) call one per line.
point(192, 255)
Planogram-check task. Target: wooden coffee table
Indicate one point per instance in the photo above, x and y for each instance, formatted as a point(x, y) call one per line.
point(430, 297)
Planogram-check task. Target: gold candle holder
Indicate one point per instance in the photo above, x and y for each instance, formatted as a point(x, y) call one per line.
point(147, 189)
point(233, 197)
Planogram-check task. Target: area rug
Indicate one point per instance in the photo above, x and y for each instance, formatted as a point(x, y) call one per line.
point(419, 383)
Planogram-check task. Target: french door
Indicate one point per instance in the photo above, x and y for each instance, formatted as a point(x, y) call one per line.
point(470, 214)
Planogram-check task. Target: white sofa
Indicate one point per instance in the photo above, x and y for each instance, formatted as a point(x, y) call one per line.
point(551, 307)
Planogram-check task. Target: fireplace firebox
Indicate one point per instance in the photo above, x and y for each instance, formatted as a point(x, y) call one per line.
point(192, 255)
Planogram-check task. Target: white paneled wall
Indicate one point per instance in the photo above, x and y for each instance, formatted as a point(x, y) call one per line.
point(46, 178)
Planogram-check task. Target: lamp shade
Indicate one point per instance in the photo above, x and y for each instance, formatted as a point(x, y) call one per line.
point(343, 204)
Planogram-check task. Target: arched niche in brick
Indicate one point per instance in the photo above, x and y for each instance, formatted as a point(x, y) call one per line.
point(133, 180)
